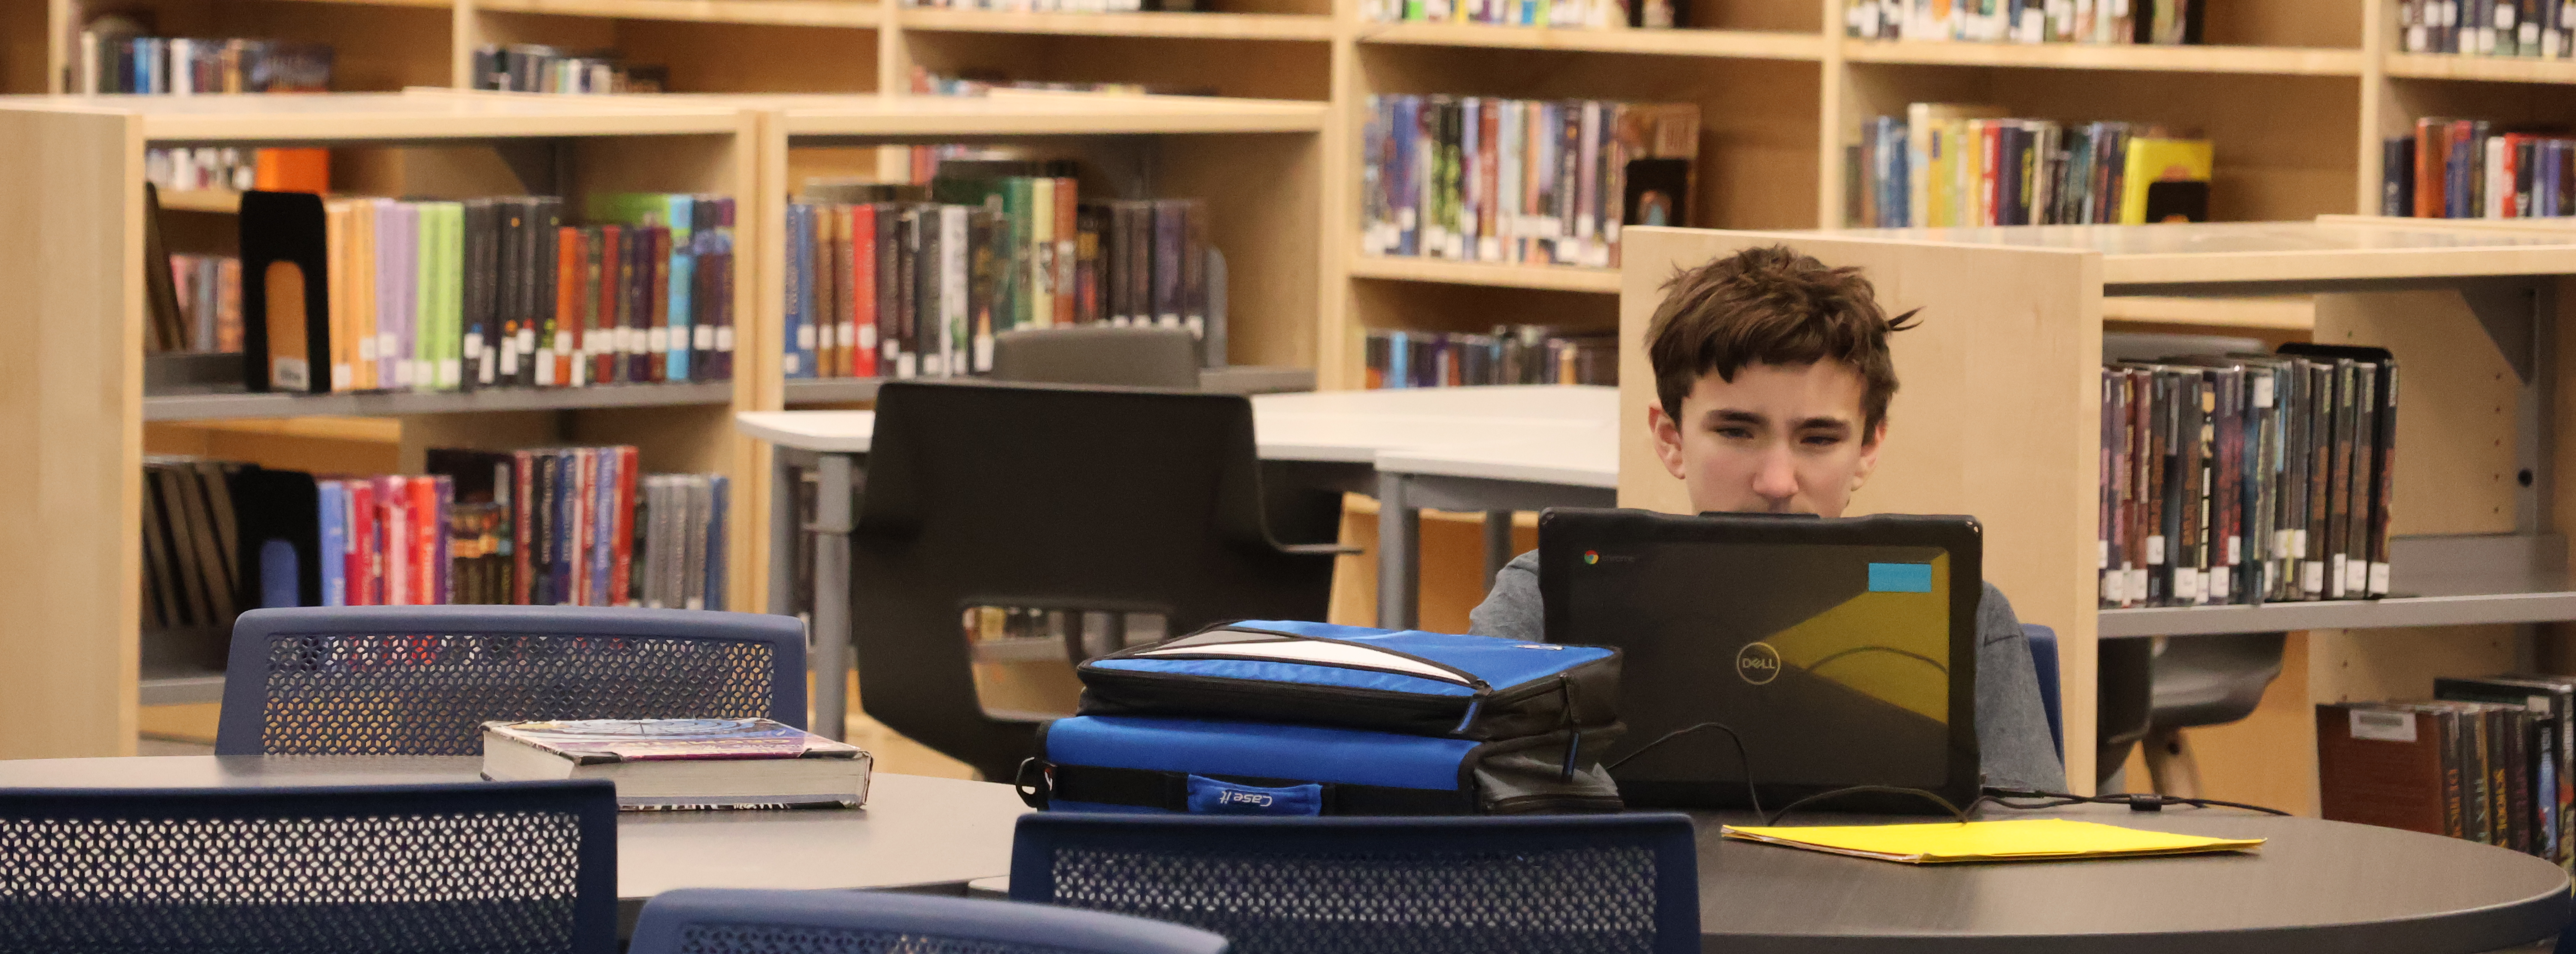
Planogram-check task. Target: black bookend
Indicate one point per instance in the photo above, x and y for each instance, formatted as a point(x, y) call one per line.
point(286, 293)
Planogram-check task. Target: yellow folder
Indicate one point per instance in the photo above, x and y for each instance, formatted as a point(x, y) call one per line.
point(2036, 839)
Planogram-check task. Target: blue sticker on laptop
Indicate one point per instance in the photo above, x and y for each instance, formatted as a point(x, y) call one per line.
point(1212, 797)
point(1900, 577)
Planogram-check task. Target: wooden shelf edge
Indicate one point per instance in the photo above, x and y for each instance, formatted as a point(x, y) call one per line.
point(1749, 44)
point(1224, 26)
point(1556, 278)
point(2491, 68)
point(217, 201)
point(416, 4)
point(191, 407)
point(827, 13)
point(2292, 61)
point(2276, 313)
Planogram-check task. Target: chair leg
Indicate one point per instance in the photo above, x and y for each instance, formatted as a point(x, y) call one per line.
point(2170, 766)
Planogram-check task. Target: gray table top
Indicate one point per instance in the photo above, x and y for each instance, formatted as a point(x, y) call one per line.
point(915, 832)
point(2313, 886)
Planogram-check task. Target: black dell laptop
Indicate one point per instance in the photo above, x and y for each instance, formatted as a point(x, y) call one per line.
point(1841, 652)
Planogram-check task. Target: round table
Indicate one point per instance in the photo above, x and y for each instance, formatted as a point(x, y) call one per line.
point(915, 832)
point(2313, 886)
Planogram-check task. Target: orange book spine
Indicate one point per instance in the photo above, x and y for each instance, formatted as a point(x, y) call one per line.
point(621, 572)
point(567, 302)
point(1065, 230)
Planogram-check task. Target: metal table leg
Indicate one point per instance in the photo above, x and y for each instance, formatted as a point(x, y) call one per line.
point(782, 534)
point(831, 656)
point(1399, 539)
point(1498, 544)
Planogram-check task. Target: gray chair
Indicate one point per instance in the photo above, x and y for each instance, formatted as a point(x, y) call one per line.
point(2152, 689)
point(1100, 355)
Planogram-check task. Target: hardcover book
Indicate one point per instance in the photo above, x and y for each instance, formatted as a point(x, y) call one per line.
point(684, 763)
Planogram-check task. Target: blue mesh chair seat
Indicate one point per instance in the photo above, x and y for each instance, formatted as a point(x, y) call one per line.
point(1562, 884)
point(493, 868)
point(719, 921)
point(421, 680)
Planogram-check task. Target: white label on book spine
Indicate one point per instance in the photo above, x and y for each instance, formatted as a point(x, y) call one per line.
point(2262, 390)
point(366, 347)
point(2156, 549)
point(2356, 576)
point(805, 337)
point(2417, 38)
point(2504, 16)
point(2281, 543)
point(724, 338)
point(2335, 576)
point(340, 377)
point(509, 361)
point(527, 341)
point(546, 368)
point(563, 342)
point(2138, 583)
point(983, 352)
point(402, 373)
point(2235, 550)
point(1197, 326)
point(933, 366)
point(2379, 579)
point(2188, 585)
point(2113, 584)
point(657, 340)
point(2312, 577)
point(2530, 34)
point(2218, 582)
point(2380, 726)
point(795, 363)
point(868, 338)
point(449, 371)
point(703, 337)
point(474, 344)
point(904, 366)
point(2101, 554)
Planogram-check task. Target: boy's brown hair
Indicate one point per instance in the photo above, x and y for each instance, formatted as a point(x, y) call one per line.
point(1771, 305)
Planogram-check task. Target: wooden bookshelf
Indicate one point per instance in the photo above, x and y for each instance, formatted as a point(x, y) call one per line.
point(2001, 390)
point(75, 412)
point(1220, 26)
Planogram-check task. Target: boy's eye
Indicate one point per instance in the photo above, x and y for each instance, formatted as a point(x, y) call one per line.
point(1735, 432)
point(1821, 440)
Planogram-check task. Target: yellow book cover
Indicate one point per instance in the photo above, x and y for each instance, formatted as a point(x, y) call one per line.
point(2033, 839)
point(2163, 160)
point(1932, 151)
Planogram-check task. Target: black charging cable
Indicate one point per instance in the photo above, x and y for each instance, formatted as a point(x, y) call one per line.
point(1742, 757)
point(2137, 801)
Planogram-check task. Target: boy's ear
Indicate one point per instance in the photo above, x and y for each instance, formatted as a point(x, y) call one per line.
point(1668, 439)
point(1869, 454)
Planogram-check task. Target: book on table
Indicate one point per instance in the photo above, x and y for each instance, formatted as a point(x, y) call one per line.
point(684, 763)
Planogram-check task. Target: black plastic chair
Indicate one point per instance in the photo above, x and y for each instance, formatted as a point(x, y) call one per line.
point(723, 921)
point(521, 867)
point(1577, 884)
point(1098, 354)
point(422, 680)
point(1051, 498)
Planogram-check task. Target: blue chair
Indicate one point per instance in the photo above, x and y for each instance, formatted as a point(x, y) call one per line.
point(521, 867)
point(727, 921)
point(1288, 885)
point(422, 680)
point(2043, 660)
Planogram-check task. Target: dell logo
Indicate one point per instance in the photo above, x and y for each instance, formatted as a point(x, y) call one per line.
point(1757, 663)
point(1254, 799)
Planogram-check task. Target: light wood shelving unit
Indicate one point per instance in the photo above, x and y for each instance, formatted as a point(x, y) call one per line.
point(74, 416)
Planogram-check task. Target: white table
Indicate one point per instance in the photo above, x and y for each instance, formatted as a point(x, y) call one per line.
point(1495, 449)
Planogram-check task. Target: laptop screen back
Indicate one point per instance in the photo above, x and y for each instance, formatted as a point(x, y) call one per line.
point(1838, 651)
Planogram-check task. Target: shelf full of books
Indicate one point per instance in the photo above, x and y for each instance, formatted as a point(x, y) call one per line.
point(2483, 760)
point(899, 281)
point(1510, 354)
point(2468, 169)
point(2141, 22)
point(1536, 183)
point(2529, 29)
point(2248, 479)
point(1945, 164)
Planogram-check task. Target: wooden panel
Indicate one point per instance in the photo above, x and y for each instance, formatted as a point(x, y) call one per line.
point(71, 390)
point(2284, 147)
point(2455, 467)
point(373, 48)
point(1269, 233)
point(2268, 758)
point(1996, 417)
point(1451, 565)
point(1423, 306)
point(2286, 23)
point(22, 47)
point(748, 58)
point(279, 448)
point(1257, 68)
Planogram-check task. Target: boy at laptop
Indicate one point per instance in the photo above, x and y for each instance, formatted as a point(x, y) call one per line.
point(1773, 379)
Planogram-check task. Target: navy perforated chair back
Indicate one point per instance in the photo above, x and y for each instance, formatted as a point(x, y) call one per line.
point(421, 680)
point(492, 868)
point(728, 921)
point(1564, 884)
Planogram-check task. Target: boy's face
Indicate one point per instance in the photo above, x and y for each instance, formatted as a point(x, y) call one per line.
point(1777, 439)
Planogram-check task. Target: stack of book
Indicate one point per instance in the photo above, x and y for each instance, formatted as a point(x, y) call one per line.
point(1512, 354)
point(2484, 760)
point(1527, 182)
point(2028, 21)
point(1945, 164)
point(2465, 169)
point(444, 296)
point(1647, 14)
point(2247, 478)
point(927, 83)
point(210, 318)
point(181, 169)
point(116, 63)
point(529, 68)
point(2523, 28)
point(882, 284)
point(191, 544)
